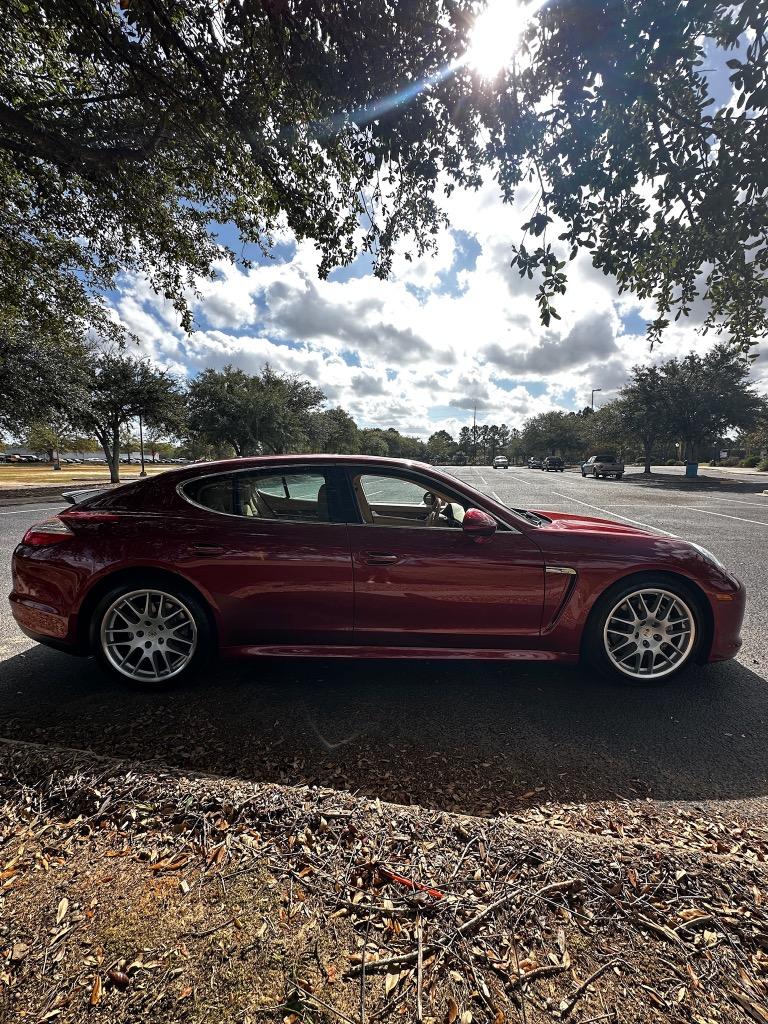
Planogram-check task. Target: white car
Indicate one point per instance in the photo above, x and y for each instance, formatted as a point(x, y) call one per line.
point(501, 462)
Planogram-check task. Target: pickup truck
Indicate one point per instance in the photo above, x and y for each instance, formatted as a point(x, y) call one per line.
point(603, 465)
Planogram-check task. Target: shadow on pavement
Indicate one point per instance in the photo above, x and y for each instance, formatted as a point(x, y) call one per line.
point(667, 482)
point(477, 737)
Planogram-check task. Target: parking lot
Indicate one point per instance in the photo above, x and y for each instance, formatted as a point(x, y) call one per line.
point(473, 737)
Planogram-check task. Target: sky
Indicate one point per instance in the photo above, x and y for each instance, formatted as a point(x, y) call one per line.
point(446, 334)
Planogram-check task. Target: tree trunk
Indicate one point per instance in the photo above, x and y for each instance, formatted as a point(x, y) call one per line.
point(647, 458)
point(114, 466)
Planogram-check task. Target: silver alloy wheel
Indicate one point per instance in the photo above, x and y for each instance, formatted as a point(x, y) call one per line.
point(649, 633)
point(148, 635)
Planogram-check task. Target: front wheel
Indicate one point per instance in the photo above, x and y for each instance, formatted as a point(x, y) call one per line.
point(151, 636)
point(644, 631)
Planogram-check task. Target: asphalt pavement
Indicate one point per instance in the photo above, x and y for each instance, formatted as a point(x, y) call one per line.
point(476, 737)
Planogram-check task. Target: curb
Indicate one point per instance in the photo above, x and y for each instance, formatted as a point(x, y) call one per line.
point(28, 495)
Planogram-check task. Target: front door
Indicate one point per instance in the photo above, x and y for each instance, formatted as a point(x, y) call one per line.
point(420, 581)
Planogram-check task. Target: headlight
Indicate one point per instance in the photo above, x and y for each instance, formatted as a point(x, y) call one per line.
point(709, 556)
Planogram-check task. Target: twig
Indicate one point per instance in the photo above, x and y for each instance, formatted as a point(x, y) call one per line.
point(419, 968)
point(326, 1006)
point(468, 926)
point(362, 971)
point(537, 972)
point(392, 876)
point(523, 1013)
point(208, 931)
point(660, 929)
point(568, 1004)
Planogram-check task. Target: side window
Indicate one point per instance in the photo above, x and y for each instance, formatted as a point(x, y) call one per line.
point(395, 501)
point(391, 490)
point(300, 497)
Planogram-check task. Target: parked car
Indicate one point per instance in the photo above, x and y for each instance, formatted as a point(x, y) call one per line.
point(534, 462)
point(603, 465)
point(554, 464)
point(501, 462)
point(337, 556)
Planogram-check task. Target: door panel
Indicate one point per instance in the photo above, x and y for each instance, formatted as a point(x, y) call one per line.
point(273, 582)
point(426, 585)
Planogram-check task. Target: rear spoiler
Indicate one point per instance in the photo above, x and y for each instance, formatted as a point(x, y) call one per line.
point(75, 497)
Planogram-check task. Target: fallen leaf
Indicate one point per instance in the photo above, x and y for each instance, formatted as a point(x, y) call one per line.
point(453, 1011)
point(61, 913)
point(95, 992)
point(391, 982)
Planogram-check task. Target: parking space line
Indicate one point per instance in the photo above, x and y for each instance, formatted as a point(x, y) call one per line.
point(738, 501)
point(21, 511)
point(597, 508)
point(722, 515)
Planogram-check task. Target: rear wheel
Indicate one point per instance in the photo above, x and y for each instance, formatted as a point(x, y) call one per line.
point(151, 636)
point(645, 630)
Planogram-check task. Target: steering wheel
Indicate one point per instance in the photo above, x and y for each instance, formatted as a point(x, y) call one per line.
point(437, 509)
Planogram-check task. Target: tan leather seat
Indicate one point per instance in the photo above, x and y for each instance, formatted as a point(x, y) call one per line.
point(216, 496)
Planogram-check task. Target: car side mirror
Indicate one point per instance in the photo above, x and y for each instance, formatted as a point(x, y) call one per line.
point(478, 525)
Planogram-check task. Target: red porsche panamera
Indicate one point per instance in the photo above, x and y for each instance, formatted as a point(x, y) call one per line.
point(360, 557)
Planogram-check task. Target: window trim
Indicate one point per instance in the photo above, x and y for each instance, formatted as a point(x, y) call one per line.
point(328, 470)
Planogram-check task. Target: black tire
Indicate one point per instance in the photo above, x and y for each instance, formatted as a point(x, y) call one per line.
point(583, 474)
point(619, 476)
point(593, 650)
point(204, 634)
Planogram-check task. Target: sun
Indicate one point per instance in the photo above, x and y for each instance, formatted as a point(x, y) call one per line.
point(496, 35)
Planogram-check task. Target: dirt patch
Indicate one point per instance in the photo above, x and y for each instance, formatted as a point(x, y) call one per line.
point(133, 894)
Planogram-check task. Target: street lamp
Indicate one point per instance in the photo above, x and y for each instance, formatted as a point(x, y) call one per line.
point(141, 446)
point(593, 397)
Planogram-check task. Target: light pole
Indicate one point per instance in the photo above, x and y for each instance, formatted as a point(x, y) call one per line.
point(593, 397)
point(141, 446)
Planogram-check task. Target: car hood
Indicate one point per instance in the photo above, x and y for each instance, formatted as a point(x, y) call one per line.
point(588, 524)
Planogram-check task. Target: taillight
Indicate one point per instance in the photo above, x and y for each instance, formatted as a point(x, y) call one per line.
point(52, 531)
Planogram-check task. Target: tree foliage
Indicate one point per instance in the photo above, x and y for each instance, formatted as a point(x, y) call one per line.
point(112, 390)
point(253, 413)
point(36, 370)
point(129, 131)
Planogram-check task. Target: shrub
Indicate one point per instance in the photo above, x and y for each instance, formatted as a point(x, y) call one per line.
point(750, 462)
point(763, 466)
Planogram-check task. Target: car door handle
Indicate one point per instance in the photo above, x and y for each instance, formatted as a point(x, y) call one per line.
point(207, 549)
point(380, 558)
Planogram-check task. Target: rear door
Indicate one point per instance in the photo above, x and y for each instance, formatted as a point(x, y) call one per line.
point(271, 548)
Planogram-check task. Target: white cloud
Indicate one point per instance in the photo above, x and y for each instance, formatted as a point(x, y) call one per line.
point(408, 352)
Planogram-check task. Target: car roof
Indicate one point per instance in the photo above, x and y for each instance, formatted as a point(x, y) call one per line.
point(277, 461)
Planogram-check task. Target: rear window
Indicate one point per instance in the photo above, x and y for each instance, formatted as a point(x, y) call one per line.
point(299, 497)
point(605, 458)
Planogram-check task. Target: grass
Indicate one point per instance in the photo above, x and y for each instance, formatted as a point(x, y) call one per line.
point(37, 474)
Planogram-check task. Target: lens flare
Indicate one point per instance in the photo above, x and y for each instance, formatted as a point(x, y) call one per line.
point(496, 34)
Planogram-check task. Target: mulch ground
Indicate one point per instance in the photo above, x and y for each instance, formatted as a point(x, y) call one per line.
point(132, 893)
